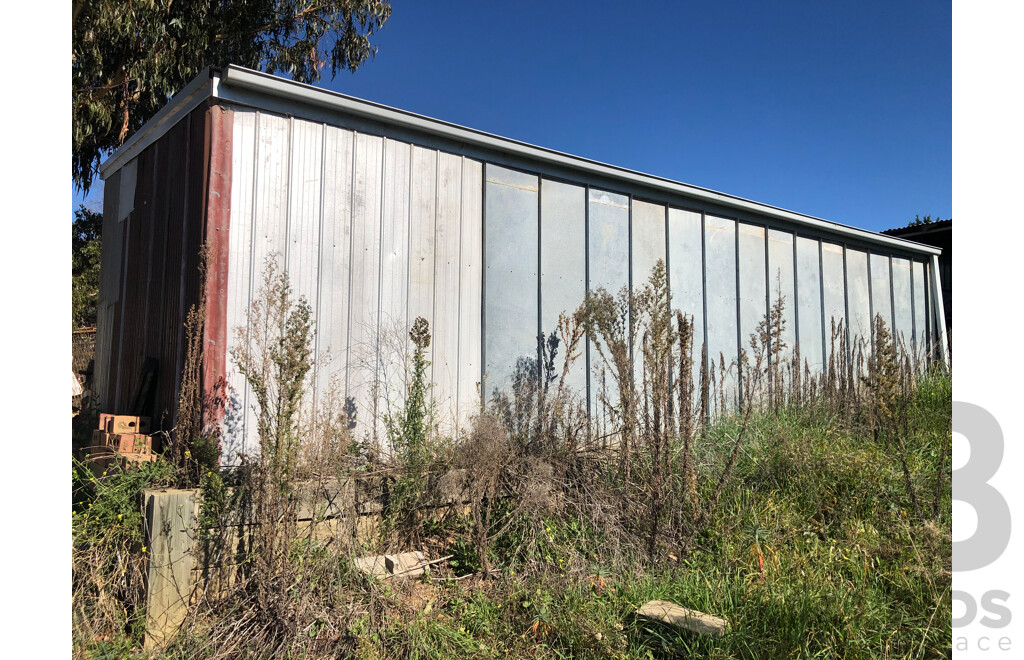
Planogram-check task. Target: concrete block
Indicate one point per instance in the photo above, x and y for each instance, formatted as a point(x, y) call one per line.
point(408, 564)
point(375, 565)
point(680, 617)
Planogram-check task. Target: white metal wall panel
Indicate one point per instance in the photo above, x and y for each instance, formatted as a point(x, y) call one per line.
point(510, 283)
point(243, 145)
point(608, 252)
point(471, 291)
point(304, 197)
point(364, 298)
point(920, 322)
point(903, 316)
point(781, 275)
point(563, 272)
point(423, 215)
point(723, 330)
point(375, 232)
point(609, 241)
point(648, 246)
point(394, 275)
point(269, 235)
point(447, 232)
point(335, 258)
point(835, 298)
point(808, 292)
point(859, 302)
point(881, 300)
point(648, 240)
point(270, 229)
point(752, 285)
point(305, 172)
point(686, 274)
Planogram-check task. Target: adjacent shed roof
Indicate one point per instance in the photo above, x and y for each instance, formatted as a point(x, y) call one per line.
point(253, 88)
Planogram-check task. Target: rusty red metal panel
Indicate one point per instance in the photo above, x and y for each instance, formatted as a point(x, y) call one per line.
point(182, 201)
point(218, 217)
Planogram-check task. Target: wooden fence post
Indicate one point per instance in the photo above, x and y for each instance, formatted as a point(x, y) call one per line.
point(170, 535)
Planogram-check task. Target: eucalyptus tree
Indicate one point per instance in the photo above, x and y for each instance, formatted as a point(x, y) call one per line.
point(129, 56)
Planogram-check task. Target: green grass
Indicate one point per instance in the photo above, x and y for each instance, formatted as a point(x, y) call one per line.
point(813, 552)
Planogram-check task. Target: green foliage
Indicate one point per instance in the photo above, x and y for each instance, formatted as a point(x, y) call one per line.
point(274, 355)
point(409, 435)
point(926, 220)
point(108, 554)
point(128, 58)
point(831, 539)
point(86, 244)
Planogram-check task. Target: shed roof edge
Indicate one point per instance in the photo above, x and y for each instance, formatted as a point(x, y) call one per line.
point(218, 83)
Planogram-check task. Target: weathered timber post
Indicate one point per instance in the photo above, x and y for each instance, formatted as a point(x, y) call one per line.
point(170, 535)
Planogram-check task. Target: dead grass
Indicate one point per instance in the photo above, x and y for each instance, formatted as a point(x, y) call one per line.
point(768, 508)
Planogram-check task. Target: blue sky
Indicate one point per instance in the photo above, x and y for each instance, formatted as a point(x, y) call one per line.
point(842, 111)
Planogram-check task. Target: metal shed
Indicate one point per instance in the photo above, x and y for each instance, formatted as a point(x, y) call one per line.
point(380, 215)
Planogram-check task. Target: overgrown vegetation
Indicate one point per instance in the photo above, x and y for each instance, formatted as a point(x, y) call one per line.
point(86, 250)
point(812, 510)
point(128, 58)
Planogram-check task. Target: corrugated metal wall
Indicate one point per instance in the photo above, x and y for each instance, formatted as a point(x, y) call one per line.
point(153, 215)
point(725, 272)
point(373, 232)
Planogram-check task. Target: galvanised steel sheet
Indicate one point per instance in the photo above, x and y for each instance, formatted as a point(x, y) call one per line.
point(470, 387)
point(563, 259)
point(810, 333)
point(305, 197)
point(781, 274)
point(648, 247)
point(373, 232)
point(510, 281)
point(238, 408)
point(380, 216)
point(722, 322)
point(422, 221)
point(447, 242)
point(364, 282)
point(903, 317)
point(881, 294)
point(686, 274)
point(834, 296)
point(920, 319)
point(648, 242)
point(753, 290)
point(154, 210)
point(608, 253)
point(110, 285)
point(394, 274)
point(335, 255)
point(858, 296)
